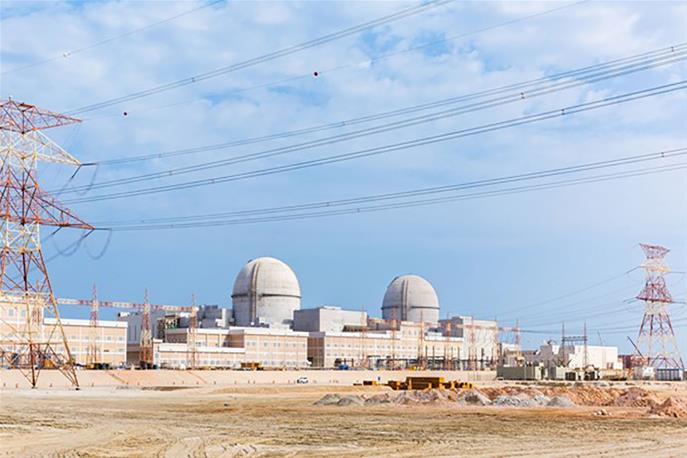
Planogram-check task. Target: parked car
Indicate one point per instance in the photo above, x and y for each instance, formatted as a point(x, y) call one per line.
point(302, 380)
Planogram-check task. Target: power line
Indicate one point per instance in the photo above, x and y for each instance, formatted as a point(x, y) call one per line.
point(406, 204)
point(265, 57)
point(623, 161)
point(524, 90)
point(366, 63)
point(424, 141)
point(70, 53)
point(567, 306)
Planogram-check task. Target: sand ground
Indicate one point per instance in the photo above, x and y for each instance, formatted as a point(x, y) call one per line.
point(281, 420)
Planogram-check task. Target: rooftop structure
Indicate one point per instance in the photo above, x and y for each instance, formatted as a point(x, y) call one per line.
point(328, 319)
point(266, 293)
point(411, 298)
point(552, 354)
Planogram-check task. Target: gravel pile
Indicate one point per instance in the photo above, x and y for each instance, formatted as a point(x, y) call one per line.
point(541, 400)
point(473, 397)
point(519, 400)
point(560, 401)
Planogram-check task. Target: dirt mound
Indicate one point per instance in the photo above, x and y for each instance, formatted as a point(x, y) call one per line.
point(433, 396)
point(518, 400)
point(329, 399)
point(402, 398)
point(585, 395)
point(671, 407)
point(518, 396)
point(351, 400)
point(473, 397)
point(560, 401)
point(636, 397)
point(377, 399)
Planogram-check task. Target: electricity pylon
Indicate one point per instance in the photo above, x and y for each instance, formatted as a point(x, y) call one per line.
point(656, 340)
point(25, 287)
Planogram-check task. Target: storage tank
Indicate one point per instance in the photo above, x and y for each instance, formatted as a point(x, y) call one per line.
point(411, 298)
point(266, 293)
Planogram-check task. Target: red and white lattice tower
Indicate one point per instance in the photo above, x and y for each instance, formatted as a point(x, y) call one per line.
point(656, 340)
point(93, 356)
point(26, 342)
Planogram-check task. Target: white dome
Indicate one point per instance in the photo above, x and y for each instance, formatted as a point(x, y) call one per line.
point(411, 298)
point(266, 293)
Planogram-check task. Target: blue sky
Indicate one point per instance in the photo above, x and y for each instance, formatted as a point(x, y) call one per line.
point(491, 257)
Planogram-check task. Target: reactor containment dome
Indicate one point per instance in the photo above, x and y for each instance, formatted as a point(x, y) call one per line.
point(411, 298)
point(266, 293)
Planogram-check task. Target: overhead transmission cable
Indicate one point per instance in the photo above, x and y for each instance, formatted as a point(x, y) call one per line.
point(585, 75)
point(265, 57)
point(71, 52)
point(518, 310)
point(416, 203)
point(330, 207)
point(619, 162)
point(299, 147)
point(423, 141)
point(366, 63)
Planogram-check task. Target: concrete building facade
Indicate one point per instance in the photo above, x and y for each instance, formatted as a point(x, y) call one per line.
point(109, 338)
point(110, 341)
point(481, 337)
point(328, 319)
point(270, 348)
point(552, 354)
point(382, 346)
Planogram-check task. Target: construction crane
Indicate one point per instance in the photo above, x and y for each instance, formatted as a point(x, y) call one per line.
point(146, 341)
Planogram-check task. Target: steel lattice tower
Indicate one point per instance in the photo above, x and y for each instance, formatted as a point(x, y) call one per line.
point(25, 288)
point(656, 340)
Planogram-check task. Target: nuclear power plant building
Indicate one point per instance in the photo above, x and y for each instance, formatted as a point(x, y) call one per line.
point(267, 327)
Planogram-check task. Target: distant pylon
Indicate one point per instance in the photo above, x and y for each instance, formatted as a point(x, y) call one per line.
point(472, 346)
point(192, 341)
point(656, 340)
point(518, 341)
point(146, 343)
point(25, 287)
point(93, 352)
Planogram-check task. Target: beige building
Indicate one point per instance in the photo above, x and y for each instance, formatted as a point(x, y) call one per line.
point(110, 336)
point(271, 348)
point(382, 346)
point(110, 339)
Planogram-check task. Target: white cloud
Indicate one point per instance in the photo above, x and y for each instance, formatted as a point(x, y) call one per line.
point(613, 213)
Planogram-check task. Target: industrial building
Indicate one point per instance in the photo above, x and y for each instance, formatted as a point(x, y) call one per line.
point(266, 293)
point(411, 298)
point(108, 341)
point(266, 327)
point(552, 354)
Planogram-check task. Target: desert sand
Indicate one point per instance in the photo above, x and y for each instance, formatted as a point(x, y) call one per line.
point(284, 420)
